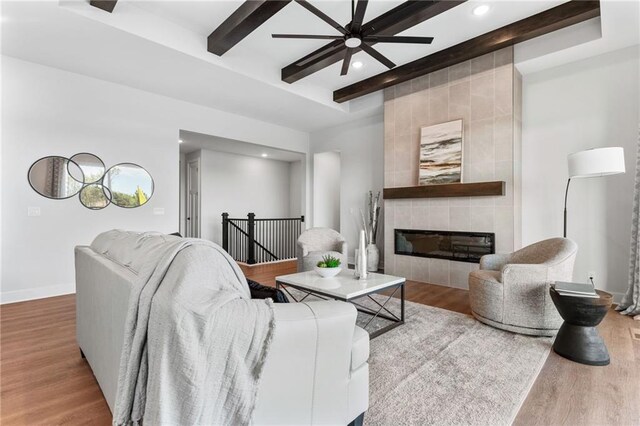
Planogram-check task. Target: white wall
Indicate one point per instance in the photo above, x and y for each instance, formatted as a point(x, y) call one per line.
point(326, 190)
point(47, 111)
point(239, 184)
point(361, 146)
point(296, 185)
point(586, 104)
point(182, 194)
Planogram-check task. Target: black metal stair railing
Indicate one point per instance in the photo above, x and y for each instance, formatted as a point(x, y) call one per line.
point(253, 240)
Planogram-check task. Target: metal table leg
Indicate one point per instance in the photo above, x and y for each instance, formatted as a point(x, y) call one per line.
point(393, 318)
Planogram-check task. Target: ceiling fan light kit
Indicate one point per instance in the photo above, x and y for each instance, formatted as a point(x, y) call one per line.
point(353, 42)
point(353, 36)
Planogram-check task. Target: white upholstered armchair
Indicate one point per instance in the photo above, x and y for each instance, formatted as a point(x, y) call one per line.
point(317, 242)
point(511, 291)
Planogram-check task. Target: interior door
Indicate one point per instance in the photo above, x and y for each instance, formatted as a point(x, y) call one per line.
point(193, 199)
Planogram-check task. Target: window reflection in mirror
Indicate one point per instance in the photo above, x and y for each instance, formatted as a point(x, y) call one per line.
point(130, 185)
point(92, 166)
point(95, 197)
point(56, 177)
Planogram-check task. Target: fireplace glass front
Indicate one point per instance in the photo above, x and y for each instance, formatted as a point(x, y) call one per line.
point(451, 245)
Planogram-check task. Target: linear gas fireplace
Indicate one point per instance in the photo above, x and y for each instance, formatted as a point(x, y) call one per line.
point(460, 246)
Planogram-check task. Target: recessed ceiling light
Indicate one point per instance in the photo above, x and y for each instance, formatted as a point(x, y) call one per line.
point(357, 65)
point(265, 155)
point(481, 10)
point(180, 141)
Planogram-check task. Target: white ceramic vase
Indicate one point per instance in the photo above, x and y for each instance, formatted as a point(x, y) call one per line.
point(373, 258)
point(361, 258)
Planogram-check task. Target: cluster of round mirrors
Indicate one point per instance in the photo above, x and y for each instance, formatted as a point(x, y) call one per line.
point(125, 185)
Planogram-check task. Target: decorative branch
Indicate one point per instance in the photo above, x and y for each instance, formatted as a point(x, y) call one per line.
point(364, 226)
point(370, 226)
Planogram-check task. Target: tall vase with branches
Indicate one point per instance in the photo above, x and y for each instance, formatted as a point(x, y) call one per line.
point(370, 222)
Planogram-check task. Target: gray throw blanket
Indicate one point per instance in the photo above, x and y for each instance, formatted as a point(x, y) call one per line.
point(195, 343)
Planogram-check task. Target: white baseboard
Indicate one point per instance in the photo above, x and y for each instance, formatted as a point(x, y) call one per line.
point(617, 297)
point(36, 293)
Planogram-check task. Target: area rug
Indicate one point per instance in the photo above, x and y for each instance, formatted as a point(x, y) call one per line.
point(446, 368)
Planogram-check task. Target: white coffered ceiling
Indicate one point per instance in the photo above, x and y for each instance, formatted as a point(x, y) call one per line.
point(160, 46)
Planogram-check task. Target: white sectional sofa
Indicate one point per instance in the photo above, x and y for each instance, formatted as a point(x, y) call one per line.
point(316, 372)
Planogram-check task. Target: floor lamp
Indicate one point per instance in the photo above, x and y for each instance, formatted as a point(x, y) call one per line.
point(593, 163)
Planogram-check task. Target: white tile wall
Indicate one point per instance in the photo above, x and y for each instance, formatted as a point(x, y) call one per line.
point(482, 92)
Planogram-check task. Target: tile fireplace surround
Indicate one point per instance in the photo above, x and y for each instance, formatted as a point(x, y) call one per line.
point(486, 93)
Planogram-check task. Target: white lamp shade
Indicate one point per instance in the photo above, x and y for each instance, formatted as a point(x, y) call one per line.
point(596, 162)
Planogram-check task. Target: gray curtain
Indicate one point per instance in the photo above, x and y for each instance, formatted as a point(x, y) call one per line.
point(630, 304)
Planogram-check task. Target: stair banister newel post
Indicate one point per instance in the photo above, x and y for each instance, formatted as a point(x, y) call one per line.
point(251, 250)
point(225, 232)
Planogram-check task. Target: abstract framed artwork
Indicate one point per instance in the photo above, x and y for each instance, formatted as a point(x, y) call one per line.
point(441, 153)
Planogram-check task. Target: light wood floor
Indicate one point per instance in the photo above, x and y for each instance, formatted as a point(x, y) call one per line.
point(43, 380)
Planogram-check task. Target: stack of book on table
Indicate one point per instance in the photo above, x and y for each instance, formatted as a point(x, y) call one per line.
point(575, 289)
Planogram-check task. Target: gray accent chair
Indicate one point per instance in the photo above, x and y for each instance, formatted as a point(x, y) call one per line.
point(317, 242)
point(511, 291)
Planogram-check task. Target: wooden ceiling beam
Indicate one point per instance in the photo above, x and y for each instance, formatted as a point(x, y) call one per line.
point(106, 5)
point(562, 16)
point(249, 16)
point(398, 19)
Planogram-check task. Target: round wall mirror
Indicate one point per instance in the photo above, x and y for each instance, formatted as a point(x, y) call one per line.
point(56, 177)
point(95, 196)
point(129, 184)
point(92, 167)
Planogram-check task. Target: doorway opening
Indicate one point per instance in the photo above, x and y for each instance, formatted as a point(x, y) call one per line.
point(326, 190)
point(192, 224)
point(248, 198)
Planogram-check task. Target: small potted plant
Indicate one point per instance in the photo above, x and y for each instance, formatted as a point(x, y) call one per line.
point(328, 267)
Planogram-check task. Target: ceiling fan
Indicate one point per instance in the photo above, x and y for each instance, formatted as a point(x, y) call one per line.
point(352, 35)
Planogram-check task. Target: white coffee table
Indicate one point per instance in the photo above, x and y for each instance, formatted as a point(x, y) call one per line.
point(347, 288)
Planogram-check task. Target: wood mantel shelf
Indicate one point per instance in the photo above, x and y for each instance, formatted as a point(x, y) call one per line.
point(472, 189)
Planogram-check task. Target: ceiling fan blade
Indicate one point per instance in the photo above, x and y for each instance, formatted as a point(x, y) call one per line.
point(377, 55)
point(321, 15)
point(308, 36)
point(358, 17)
point(313, 56)
point(346, 61)
point(398, 39)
